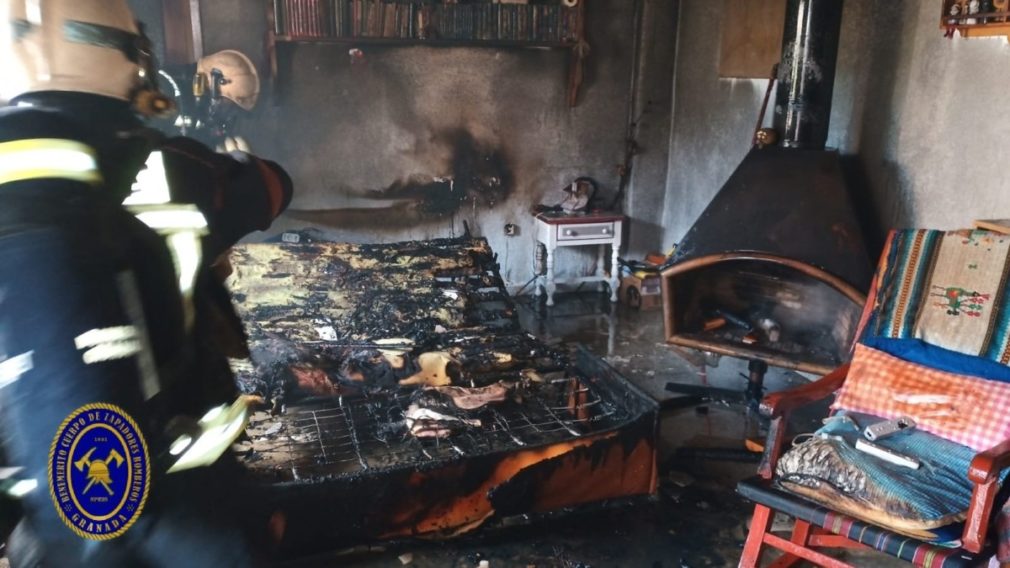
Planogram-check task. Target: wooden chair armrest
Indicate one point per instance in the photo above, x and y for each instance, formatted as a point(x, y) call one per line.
point(987, 465)
point(777, 407)
point(778, 404)
point(984, 472)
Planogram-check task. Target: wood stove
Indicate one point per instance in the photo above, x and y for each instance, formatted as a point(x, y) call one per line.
point(775, 269)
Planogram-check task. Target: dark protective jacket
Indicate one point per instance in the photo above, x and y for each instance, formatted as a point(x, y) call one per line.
point(73, 260)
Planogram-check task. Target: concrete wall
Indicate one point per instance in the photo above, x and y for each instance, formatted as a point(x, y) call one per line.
point(920, 111)
point(934, 135)
point(367, 144)
point(650, 119)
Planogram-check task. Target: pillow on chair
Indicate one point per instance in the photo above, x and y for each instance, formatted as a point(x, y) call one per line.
point(928, 503)
point(967, 410)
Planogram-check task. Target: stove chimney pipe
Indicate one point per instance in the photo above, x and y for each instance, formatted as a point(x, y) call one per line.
point(807, 72)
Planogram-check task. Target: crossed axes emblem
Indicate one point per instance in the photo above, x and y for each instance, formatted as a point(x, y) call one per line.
point(98, 470)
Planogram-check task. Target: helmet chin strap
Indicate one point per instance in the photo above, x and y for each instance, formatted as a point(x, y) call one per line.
point(147, 100)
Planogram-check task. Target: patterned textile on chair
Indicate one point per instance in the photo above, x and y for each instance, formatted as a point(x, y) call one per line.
point(935, 346)
point(942, 301)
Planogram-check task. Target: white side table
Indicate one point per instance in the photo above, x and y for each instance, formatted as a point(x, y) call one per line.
point(578, 230)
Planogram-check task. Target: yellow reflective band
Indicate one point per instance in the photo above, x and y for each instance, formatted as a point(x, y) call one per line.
point(218, 430)
point(187, 252)
point(105, 335)
point(108, 344)
point(151, 187)
point(182, 226)
point(180, 444)
point(172, 219)
point(41, 158)
point(12, 368)
point(22, 488)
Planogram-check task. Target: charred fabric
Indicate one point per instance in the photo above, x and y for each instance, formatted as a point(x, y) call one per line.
point(407, 401)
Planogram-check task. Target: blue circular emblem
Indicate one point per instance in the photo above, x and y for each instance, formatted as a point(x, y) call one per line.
point(99, 471)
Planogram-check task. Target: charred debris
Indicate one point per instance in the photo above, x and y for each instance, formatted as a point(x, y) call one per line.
point(407, 400)
point(338, 319)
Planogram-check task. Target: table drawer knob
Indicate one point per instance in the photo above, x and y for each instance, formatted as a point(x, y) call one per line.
point(569, 233)
point(605, 231)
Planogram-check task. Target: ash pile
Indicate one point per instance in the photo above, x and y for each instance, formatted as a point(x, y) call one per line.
point(402, 391)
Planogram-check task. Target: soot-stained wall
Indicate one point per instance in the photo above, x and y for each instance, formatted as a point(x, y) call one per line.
point(714, 118)
point(933, 139)
point(914, 114)
point(413, 141)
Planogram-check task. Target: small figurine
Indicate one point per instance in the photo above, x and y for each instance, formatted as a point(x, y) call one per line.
point(1000, 6)
point(955, 11)
point(985, 6)
point(973, 8)
point(579, 195)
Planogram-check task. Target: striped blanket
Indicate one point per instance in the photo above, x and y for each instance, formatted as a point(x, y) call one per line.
point(947, 289)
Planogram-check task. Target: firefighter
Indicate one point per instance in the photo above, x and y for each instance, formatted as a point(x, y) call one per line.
point(108, 411)
point(226, 87)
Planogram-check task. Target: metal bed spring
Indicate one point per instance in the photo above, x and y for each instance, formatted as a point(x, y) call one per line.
point(353, 436)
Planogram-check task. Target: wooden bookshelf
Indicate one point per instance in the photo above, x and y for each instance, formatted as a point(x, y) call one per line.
point(183, 32)
point(983, 24)
point(543, 24)
point(491, 43)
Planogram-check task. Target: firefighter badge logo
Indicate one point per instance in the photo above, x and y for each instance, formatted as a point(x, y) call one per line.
point(99, 471)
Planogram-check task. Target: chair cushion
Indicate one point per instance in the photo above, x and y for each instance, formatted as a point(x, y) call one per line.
point(947, 289)
point(908, 549)
point(829, 470)
point(967, 410)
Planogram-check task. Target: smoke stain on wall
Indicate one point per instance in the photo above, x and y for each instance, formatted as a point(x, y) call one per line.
point(476, 173)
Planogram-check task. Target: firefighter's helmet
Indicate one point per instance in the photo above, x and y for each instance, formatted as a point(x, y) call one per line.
point(84, 46)
point(228, 74)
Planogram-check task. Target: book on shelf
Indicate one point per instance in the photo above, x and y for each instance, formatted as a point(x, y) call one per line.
point(294, 17)
point(279, 24)
point(488, 20)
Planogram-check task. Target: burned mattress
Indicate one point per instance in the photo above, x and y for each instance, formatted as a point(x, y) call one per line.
point(404, 394)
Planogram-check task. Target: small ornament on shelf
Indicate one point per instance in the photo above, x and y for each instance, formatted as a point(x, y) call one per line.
point(975, 18)
point(985, 6)
point(1000, 6)
point(973, 8)
point(955, 11)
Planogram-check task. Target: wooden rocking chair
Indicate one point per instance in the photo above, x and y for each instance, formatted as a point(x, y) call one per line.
point(912, 261)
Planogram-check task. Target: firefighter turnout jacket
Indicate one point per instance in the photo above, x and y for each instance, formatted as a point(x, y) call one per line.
point(104, 317)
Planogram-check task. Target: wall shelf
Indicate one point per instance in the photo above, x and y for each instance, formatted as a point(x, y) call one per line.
point(545, 25)
point(499, 43)
point(984, 24)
